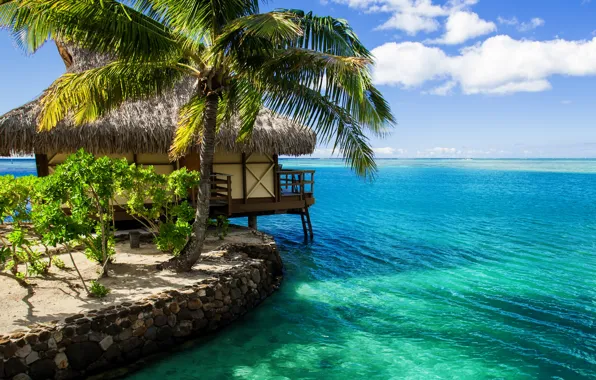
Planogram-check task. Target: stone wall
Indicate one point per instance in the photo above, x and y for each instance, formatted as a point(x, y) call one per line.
point(84, 344)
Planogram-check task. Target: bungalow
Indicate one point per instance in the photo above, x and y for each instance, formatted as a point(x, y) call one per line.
point(247, 179)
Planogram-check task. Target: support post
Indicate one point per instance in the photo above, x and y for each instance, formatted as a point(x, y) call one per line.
point(252, 222)
point(244, 191)
point(42, 163)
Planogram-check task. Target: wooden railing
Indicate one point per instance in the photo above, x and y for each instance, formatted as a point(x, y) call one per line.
point(221, 190)
point(295, 183)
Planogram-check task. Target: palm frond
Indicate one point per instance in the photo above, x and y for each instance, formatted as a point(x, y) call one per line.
point(331, 122)
point(99, 25)
point(190, 126)
point(201, 19)
point(248, 34)
point(91, 94)
point(327, 35)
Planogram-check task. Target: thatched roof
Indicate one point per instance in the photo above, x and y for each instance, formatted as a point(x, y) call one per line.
point(141, 127)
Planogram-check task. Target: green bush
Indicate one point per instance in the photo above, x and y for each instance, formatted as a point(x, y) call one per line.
point(98, 290)
point(159, 202)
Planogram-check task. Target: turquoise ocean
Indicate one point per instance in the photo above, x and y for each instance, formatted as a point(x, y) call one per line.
point(439, 269)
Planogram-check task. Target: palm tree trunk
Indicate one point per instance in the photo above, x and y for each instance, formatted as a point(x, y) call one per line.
point(191, 253)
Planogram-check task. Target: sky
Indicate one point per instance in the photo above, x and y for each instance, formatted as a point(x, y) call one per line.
point(465, 78)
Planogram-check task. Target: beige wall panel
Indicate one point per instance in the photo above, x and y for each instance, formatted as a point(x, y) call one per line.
point(162, 169)
point(227, 158)
point(268, 181)
point(236, 172)
point(144, 158)
point(259, 157)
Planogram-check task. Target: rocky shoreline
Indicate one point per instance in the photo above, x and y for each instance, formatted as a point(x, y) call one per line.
point(119, 335)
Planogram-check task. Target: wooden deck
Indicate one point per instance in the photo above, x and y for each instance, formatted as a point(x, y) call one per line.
point(294, 191)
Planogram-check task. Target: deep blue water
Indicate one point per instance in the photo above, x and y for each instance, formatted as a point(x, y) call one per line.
point(438, 269)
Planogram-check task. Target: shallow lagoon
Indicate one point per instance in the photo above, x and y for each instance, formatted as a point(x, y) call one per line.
point(439, 269)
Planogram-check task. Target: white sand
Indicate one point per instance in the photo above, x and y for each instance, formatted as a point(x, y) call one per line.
point(133, 276)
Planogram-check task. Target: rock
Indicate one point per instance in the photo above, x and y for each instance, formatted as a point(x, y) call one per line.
point(106, 342)
point(172, 320)
point(83, 328)
point(124, 335)
point(80, 355)
point(156, 312)
point(149, 348)
point(160, 320)
point(113, 329)
point(236, 293)
point(40, 346)
point(113, 353)
point(138, 323)
point(73, 318)
point(149, 322)
point(96, 336)
point(131, 344)
point(256, 275)
point(23, 351)
point(68, 331)
point(184, 315)
point(43, 369)
point(21, 376)
point(32, 338)
point(58, 336)
point(183, 329)
point(9, 349)
point(218, 295)
point(61, 360)
point(125, 324)
point(140, 331)
point(13, 367)
point(194, 304)
point(174, 307)
point(164, 333)
point(197, 314)
point(32, 358)
point(52, 344)
point(151, 333)
point(1, 368)
point(80, 338)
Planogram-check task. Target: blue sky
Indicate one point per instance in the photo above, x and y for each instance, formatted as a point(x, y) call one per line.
point(465, 78)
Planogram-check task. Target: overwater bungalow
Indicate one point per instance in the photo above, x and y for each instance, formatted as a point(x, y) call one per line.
point(247, 179)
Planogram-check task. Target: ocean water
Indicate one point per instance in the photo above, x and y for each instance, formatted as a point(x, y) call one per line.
point(440, 269)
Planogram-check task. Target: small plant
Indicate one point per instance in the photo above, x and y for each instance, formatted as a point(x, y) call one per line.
point(223, 226)
point(98, 290)
point(59, 263)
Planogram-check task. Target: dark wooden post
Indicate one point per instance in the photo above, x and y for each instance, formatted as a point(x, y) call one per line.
point(252, 222)
point(244, 191)
point(41, 161)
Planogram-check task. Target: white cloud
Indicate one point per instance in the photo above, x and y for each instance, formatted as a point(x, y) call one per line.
point(410, 23)
point(566, 102)
point(387, 151)
point(522, 26)
point(532, 24)
point(444, 89)
point(462, 26)
point(499, 65)
point(408, 64)
point(410, 16)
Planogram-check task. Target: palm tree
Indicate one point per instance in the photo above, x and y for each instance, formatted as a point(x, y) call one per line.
point(311, 69)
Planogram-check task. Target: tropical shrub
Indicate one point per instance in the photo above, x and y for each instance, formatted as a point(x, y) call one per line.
point(85, 185)
point(19, 246)
point(160, 203)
